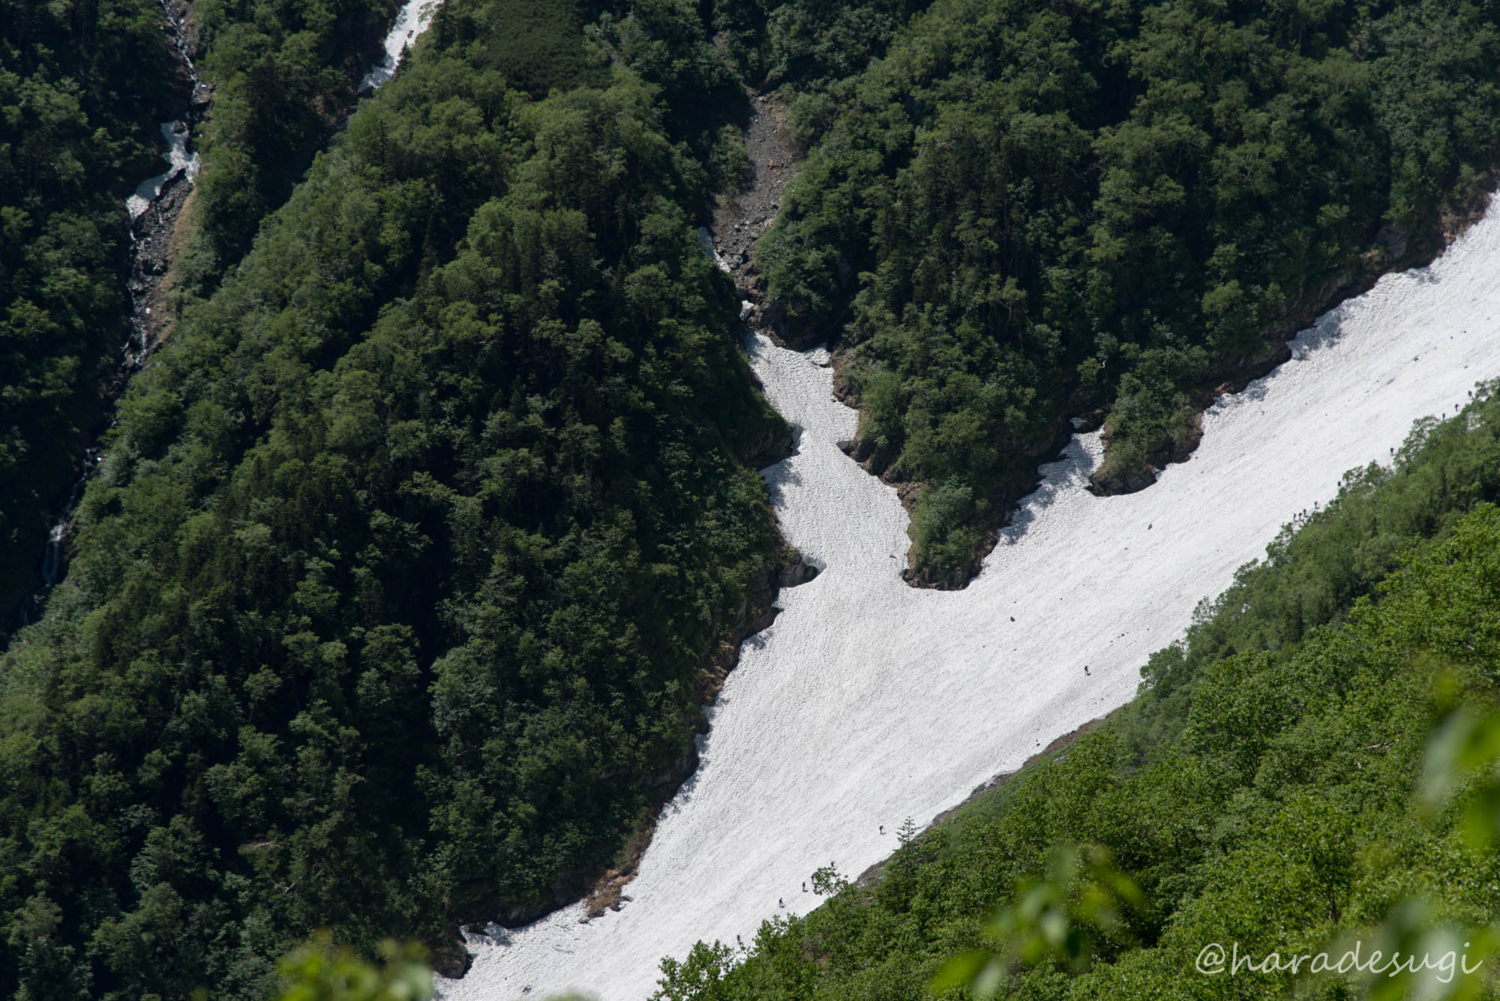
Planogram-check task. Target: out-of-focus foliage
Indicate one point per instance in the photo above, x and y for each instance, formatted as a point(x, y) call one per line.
point(1026, 211)
point(320, 971)
point(1264, 789)
point(390, 602)
point(1057, 918)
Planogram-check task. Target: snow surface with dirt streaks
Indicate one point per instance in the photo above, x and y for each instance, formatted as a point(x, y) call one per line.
point(869, 701)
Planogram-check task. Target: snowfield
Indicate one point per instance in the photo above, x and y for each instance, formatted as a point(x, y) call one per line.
point(869, 701)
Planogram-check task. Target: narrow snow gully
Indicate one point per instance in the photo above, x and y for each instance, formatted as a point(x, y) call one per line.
point(869, 701)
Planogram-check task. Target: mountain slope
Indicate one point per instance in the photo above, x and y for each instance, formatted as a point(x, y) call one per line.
point(391, 601)
point(1029, 212)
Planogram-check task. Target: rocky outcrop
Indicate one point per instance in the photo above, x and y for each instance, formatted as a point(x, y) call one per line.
point(791, 325)
point(1109, 480)
point(772, 446)
point(796, 571)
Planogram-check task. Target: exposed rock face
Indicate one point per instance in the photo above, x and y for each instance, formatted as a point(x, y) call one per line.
point(742, 219)
point(1127, 482)
point(875, 459)
point(1105, 482)
point(1392, 238)
point(744, 216)
point(770, 448)
point(791, 327)
point(796, 571)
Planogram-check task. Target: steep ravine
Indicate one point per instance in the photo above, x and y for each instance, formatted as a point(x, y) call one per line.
point(155, 210)
point(868, 701)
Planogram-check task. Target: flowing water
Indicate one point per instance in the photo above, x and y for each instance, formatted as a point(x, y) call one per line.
point(414, 18)
point(177, 133)
point(868, 701)
point(179, 162)
point(152, 217)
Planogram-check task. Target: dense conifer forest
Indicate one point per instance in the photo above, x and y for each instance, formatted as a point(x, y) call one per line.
point(77, 95)
point(392, 602)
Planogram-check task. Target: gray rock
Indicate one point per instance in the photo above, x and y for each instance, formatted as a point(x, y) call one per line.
point(1393, 238)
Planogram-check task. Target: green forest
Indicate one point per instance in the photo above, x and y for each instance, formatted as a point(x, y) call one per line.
point(425, 530)
point(1263, 788)
point(72, 132)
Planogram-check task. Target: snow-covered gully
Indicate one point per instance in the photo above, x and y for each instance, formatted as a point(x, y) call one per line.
point(869, 701)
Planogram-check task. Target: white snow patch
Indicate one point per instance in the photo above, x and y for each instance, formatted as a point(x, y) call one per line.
point(178, 161)
point(868, 701)
point(414, 18)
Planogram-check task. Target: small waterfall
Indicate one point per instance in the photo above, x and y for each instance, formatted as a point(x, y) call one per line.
point(54, 558)
point(179, 162)
point(413, 19)
point(154, 205)
point(177, 133)
point(153, 209)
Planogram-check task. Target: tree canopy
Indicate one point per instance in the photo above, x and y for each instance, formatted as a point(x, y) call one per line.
point(83, 88)
point(390, 605)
